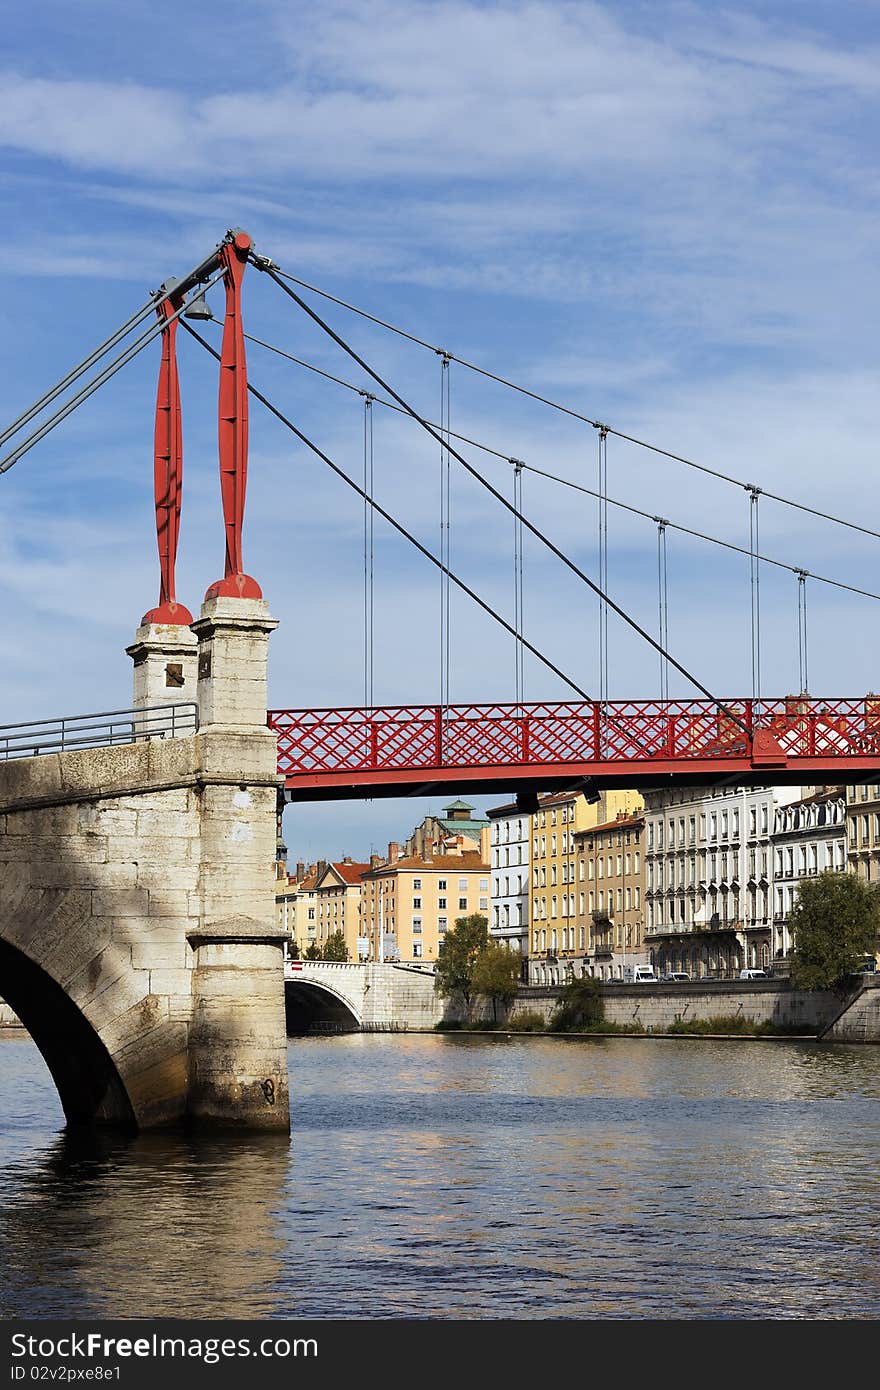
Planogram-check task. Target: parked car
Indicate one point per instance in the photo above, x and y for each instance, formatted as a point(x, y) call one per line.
point(753, 975)
point(644, 975)
point(674, 977)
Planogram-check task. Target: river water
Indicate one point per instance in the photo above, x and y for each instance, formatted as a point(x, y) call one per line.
point(453, 1177)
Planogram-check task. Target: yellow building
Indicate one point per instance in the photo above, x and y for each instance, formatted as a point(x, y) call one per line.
point(409, 904)
point(337, 903)
point(611, 896)
point(554, 930)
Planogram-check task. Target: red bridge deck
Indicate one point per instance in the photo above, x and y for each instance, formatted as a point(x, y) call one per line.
point(423, 749)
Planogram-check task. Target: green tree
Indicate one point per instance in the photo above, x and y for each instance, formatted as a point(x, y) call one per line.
point(834, 924)
point(335, 947)
point(496, 975)
point(580, 1005)
point(313, 951)
point(293, 951)
point(457, 957)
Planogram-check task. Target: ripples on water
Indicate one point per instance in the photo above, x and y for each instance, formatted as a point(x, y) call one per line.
point(451, 1177)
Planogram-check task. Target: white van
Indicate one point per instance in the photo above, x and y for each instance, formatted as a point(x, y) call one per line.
point(753, 975)
point(644, 975)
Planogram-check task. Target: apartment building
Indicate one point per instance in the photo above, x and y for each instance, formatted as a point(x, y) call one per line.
point(408, 904)
point(809, 837)
point(708, 885)
point(553, 920)
point(458, 819)
point(863, 830)
point(610, 896)
point(509, 862)
point(337, 903)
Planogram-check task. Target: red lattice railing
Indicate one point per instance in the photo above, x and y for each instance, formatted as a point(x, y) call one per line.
point(396, 739)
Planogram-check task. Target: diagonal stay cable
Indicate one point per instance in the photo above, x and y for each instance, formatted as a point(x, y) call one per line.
point(556, 405)
point(197, 274)
point(552, 477)
point(530, 526)
point(91, 386)
point(386, 516)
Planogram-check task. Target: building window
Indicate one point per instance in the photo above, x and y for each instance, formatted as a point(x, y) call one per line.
point(462, 885)
point(441, 902)
point(417, 885)
point(417, 925)
point(484, 904)
point(462, 904)
point(441, 885)
point(417, 902)
point(417, 950)
point(441, 925)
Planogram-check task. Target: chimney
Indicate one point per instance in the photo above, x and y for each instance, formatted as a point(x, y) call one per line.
point(300, 871)
point(375, 861)
point(393, 851)
point(347, 859)
point(322, 864)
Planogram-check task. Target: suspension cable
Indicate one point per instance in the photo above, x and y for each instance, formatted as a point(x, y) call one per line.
point(368, 553)
point(386, 516)
point(197, 274)
point(90, 387)
point(603, 562)
point(530, 526)
point(755, 589)
point(663, 604)
point(445, 528)
point(265, 264)
point(553, 477)
point(518, 681)
point(802, 577)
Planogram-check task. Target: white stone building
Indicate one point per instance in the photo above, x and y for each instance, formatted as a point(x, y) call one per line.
point(709, 867)
point(509, 864)
point(809, 836)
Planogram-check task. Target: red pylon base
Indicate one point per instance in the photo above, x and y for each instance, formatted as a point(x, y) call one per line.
point(235, 586)
point(169, 615)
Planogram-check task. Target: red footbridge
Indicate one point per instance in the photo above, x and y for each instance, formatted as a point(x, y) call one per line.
point(405, 750)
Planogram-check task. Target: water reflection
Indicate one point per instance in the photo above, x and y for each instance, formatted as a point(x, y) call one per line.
point(154, 1226)
point(454, 1177)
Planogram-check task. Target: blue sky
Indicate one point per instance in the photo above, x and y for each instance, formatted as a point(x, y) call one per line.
point(661, 214)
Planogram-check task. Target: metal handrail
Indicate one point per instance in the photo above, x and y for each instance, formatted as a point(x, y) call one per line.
point(104, 729)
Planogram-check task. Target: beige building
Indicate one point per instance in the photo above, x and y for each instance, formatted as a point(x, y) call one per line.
point(337, 901)
point(611, 895)
point(863, 831)
point(554, 928)
point(409, 904)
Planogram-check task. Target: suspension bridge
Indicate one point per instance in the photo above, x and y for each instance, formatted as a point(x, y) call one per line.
point(518, 746)
point(137, 934)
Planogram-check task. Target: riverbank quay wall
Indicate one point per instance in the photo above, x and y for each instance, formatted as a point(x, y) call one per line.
point(858, 1020)
point(655, 1007)
point(138, 943)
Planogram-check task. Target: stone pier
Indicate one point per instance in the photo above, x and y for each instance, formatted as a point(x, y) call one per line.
point(137, 932)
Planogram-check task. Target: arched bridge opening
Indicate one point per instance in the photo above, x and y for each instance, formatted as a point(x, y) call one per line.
point(314, 1008)
point(89, 1086)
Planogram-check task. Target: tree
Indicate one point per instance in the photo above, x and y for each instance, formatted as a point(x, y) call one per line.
point(457, 957)
point(313, 951)
point(496, 975)
point(580, 1005)
point(834, 924)
point(293, 951)
point(335, 947)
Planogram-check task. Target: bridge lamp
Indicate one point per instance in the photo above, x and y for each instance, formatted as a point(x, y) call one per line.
point(198, 308)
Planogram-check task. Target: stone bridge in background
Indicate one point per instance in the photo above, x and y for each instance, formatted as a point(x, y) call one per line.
point(138, 942)
point(371, 997)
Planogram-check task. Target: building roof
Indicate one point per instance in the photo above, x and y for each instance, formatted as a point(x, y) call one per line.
point(620, 823)
point(510, 809)
point(470, 859)
point(347, 870)
point(459, 806)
